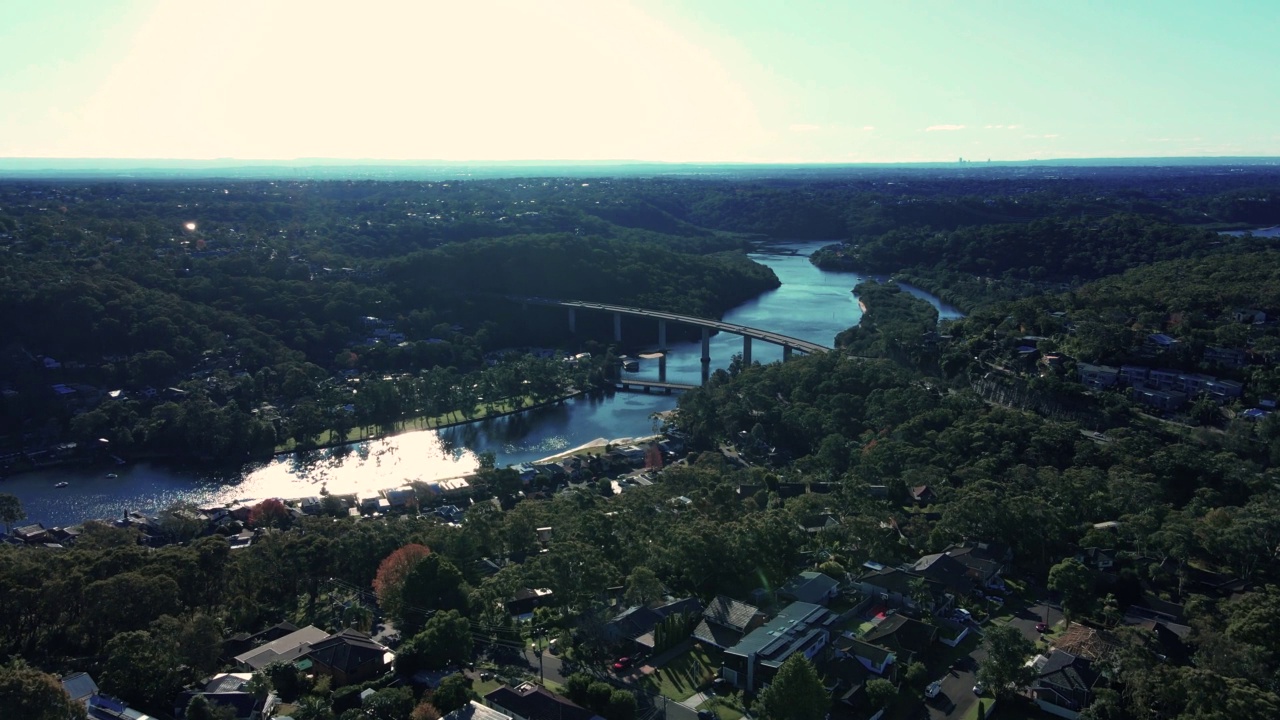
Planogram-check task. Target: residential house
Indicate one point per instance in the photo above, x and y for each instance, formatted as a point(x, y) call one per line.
point(984, 561)
point(1097, 558)
point(800, 627)
point(636, 624)
point(534, 702)
point(899, 588)
point(948, 571)
point(1098, 377)
point(1225, 357)
point(80, 687)
point(875, 658)
point(350, 657)
point(907, 638)
point(526, 599)
point(288, 648)
point(102, 707)
point(228, 690)
point(1160, 399)
point(810, 587)
point(242, 641)
point(475, 711)
point(34, 534)
point(1064, 684)
point(846, 683)
point(815, 524)
point(923, 495)
point(725, 621)
point(1249, 315)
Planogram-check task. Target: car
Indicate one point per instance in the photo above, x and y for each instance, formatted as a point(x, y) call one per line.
point(964, 615)
point(995, 599)
point(977, 688)
point(486, 675)
point(622, 663)
point(933, 690)
point(1041, 627)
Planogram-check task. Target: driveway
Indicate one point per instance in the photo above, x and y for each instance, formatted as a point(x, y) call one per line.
point(957, 689)
point(1026, 619)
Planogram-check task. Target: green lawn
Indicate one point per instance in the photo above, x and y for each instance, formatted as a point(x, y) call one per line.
point(722, 708)
point(685, 673)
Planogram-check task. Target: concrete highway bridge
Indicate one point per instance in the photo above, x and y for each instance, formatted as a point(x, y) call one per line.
point(789, 344)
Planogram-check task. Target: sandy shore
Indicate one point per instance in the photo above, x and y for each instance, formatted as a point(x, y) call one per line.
point(598, 443)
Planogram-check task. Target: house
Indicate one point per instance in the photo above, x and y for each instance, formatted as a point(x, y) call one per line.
point(907, 638)
point(475, 711)
point(846, 683)
point(817, 523)
point(637, 623)
point(350, 657)
point(800, 627)
point(1162, 341)
point(80, 687)
point(228, 690)
point(898, 587)
point(526, 599)
point(948, 571)
point(725, 621)
point(534, 702)
point(810, 587)
point(242, 642)
point(1225, 357)
point(985, 561)
point(1249, 315)
point(288, 648)
point(34, 534)
point(923, 495)
point(1064, 684)
point(1098, 377)
point(1160, 399)
point(875, 658)
point(102, 707)
point(1097, 558)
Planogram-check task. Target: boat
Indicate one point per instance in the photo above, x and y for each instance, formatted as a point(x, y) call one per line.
point(112, 476)
point(61, 484)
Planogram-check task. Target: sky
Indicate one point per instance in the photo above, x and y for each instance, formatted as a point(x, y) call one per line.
point(778, 81)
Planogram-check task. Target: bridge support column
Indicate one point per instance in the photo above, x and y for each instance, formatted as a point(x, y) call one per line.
point(786, 353)
point(706, 354)
point(617, 327)
point(746, 351)
point(662, 335)
point(573, 321)
point(662, 367)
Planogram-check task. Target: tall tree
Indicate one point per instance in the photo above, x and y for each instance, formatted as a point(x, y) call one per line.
point(1075, 581)
point(388, 584)
point(1005, 670)
point(11, 511)
point(796, 693)
point(33, 695)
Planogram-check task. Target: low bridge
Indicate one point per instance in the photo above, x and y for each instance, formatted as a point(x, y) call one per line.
point(627, 385)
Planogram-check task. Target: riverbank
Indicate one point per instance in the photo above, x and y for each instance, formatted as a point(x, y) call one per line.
point(437, 422)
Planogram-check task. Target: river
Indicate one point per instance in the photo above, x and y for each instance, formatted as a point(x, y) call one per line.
point(811, 304)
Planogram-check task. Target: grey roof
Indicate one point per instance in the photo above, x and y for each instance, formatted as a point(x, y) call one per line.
point(1066, 680)
point(810, 587)
point(80, 686)
point(716, 634)
point(475, 711)
point(286, 649)
point(947, 570)
point(900, 632)
point(857, 648)
point(730, 613)
point(798, 626)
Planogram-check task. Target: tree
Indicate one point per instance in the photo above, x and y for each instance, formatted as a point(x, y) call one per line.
point(286, 678)
point(269, 513)
point(425, 711)
point(201, 709)
point(643, 587)
point(1005, 670)
point(11, 511)
point(621, 706)
point(454, 692)
point(30, 694)
point(1075, 581)
point(389, 581)
point(312, 707)
point(796, 693)
point(445, 639)
point(433, 583)
point(389, 704)
point(142, 669)
point(880, 693)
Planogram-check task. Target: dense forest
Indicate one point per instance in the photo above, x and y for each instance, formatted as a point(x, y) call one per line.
point(216, 320)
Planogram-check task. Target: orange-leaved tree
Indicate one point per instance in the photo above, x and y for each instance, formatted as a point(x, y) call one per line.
point(389, 582)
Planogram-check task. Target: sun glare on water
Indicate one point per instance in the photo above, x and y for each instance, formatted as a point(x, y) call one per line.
point(191, 226)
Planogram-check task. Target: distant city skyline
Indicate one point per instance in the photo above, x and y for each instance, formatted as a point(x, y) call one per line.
point(737, 81)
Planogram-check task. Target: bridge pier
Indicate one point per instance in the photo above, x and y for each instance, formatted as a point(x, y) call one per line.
point(662, 336)
point(573, 322)
point(617, 327)
point(706, 354)
point(662, 367)
point(786, 353)
point(746, 351)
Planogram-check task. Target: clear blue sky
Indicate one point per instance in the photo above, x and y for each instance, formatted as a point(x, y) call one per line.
point(676, 80)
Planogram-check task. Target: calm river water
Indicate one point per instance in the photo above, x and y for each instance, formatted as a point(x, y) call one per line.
point(811, 304)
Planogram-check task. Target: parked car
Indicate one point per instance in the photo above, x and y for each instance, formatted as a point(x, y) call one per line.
point(964, 615)
point(1041, 627)
point(995, 599)
point(933, 690)
point(977, 688)
point(622, 663)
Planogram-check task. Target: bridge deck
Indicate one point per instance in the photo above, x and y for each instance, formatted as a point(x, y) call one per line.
point(743, 330)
